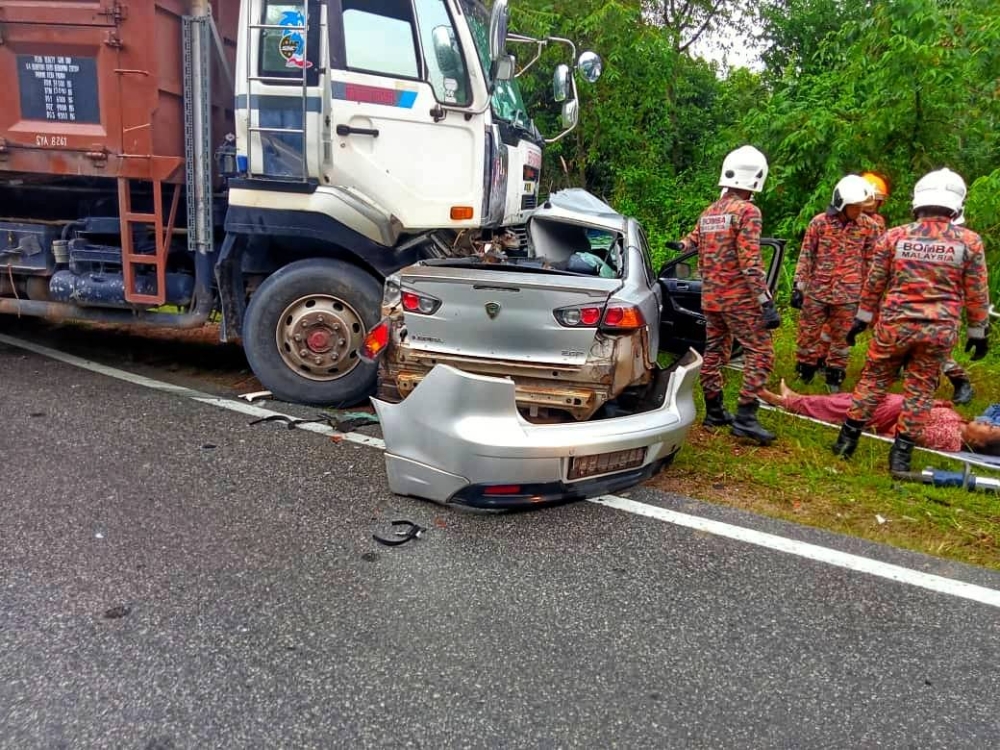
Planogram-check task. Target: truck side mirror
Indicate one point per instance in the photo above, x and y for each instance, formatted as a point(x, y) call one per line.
point(561, 83)
point(445, 52)
point(498, 29)
point(502, 68)
point(590, 66)
point(570, 113)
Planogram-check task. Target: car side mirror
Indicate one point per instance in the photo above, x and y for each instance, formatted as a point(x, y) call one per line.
point(682, 271)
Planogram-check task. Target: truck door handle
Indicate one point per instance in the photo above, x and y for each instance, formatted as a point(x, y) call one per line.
point(348, 130)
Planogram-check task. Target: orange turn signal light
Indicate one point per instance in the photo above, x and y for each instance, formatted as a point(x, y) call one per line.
point(461, 213)
point(623, 317)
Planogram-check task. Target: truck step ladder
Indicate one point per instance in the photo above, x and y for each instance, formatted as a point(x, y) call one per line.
point(134, 263)
point(302, 153)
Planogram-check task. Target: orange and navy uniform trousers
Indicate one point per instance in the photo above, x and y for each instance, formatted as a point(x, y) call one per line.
point(835, 257)
point(734, 286)
point(922, 276)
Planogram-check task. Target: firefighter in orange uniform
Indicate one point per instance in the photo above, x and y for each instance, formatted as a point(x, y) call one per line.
point(922, 276)
point(834, 261)
point(735, 296)
point(958, 377)
point(880, 186)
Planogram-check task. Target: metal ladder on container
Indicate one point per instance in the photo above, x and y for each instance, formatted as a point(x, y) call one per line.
point(302, 155)
point(132, 261)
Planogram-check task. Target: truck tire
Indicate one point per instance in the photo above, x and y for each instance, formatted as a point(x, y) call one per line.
point(303, 330)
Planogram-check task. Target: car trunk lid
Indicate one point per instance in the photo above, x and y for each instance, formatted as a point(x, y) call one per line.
point(503, 314)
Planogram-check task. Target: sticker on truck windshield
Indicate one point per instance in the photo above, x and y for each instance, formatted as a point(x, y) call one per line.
point(56, 88)
point(292, 44)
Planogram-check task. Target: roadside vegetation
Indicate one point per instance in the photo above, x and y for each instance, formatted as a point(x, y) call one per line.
point(797, 478)
point(900, 88)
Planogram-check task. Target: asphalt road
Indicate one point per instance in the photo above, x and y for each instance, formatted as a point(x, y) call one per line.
point(171, 577)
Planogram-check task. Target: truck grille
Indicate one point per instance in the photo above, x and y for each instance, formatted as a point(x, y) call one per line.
point(529, 202)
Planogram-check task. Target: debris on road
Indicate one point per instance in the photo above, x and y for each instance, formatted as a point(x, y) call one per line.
point(404, 535)
point(341, 422)
point(251, 397)
point(117, 612)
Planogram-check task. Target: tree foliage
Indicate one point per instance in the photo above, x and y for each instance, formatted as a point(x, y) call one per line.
point(846, 85)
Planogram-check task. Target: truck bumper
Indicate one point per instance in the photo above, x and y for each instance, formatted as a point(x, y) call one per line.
point(459, 438)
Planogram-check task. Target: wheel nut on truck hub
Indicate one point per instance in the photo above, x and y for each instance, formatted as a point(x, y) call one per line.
point(525, 377)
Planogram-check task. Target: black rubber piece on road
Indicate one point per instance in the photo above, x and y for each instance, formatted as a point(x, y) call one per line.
point(356, 287)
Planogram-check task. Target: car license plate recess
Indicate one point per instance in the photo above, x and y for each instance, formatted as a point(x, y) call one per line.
point(605, 463)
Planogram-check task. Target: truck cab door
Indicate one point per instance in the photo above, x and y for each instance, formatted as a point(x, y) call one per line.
point(408, 107)
point(283, 88)
point(682, 322)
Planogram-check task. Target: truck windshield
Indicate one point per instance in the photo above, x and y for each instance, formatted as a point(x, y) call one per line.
point(507, 102)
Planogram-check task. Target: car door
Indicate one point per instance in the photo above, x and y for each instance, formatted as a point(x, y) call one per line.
point(682, 322)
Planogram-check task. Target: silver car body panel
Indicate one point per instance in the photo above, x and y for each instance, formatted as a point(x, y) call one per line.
point(501, 314)
point(458, 429)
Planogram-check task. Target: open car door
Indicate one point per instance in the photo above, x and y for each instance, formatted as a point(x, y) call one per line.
point(682, 323)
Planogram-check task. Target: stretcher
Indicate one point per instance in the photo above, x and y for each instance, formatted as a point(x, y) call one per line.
point(967, 458)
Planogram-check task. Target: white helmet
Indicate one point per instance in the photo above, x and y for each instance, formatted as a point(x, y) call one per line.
point(851, 190)
point(960, 219)
point(941, 189)
point(744, 169)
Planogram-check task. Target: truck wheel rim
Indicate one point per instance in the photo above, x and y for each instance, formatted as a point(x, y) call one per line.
point(318, 337)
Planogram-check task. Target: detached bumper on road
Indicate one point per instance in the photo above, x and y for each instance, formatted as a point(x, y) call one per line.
point(459, 438)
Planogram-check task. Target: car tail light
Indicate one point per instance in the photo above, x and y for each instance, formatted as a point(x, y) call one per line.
point(376, 341)
point(623, 318)
point(419, 303)
point(579, 317)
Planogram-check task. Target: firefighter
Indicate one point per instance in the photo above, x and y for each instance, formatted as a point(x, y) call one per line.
point(922, 275)
point(735, 297)
point(880, 186)
point(836, 254)
point(958, 377)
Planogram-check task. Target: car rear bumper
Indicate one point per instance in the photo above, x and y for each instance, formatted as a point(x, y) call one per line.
point(459, 438)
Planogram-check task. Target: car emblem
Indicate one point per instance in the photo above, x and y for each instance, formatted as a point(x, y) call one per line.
point(492, 309)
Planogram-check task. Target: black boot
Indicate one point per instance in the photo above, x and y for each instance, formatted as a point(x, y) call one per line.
point(806, 372)
point(900, 454)
point(847, 440)
point(963, 390)
point(834, 377)
point(746, 424)
point(715, 413)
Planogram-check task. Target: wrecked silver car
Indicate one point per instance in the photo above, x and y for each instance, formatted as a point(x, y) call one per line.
point(511, 377)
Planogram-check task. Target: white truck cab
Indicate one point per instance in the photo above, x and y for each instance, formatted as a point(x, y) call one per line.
point(403, 113)
point(369, 134)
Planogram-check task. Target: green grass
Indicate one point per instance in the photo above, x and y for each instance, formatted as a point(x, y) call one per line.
point(798, 478)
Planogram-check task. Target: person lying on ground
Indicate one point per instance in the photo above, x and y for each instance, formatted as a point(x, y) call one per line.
point(945, 430)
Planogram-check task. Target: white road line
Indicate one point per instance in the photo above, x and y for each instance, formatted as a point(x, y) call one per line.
point(180, 390)
point(815, 552)
point(809, 551)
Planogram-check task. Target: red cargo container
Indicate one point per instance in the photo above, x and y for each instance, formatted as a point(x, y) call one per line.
point(95, 87)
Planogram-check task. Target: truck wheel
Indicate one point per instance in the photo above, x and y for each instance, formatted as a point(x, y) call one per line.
point(303, 330)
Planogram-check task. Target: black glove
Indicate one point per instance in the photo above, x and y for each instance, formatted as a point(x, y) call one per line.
point(858, 327)
point(980, 345)
point(771, 318)
point(797, 299)
point(674, 245)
